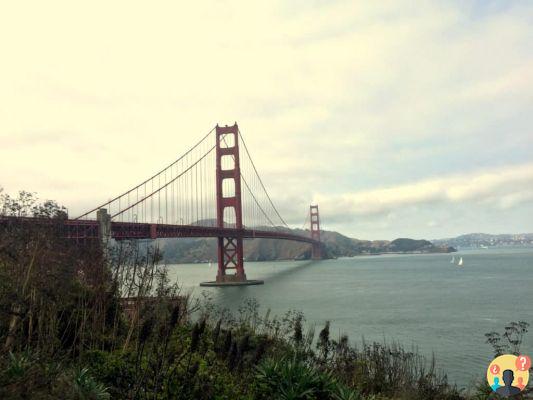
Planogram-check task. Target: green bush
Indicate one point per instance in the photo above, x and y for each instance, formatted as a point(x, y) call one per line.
point(26, 376)
point(292, 379)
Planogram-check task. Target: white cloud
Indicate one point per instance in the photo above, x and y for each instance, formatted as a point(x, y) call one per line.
point(503, 187)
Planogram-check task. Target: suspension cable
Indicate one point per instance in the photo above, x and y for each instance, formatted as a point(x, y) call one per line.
point(147, 180)
point(248, 187)
point(164, 186)
point(261, 181)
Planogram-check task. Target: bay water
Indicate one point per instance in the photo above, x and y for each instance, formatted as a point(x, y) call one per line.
point(420, 300)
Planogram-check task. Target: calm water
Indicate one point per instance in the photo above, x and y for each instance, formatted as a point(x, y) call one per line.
point(420, 300)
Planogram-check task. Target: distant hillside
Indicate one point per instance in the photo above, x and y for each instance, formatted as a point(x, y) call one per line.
point(191, 250)
point(486, 240)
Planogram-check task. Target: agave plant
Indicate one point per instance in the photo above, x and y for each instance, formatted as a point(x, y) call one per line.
point(287, 379)
point(343, 393)
point(87, 388)
point(18, 364)
point(291, 379)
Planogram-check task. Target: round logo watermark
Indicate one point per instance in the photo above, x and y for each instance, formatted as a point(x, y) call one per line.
point(508, 375)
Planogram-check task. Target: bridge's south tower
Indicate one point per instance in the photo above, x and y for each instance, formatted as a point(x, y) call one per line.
point(228, 176)
point(316, 253)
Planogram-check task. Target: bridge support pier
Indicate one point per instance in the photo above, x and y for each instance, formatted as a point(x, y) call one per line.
point(230, 249)
point(104, 230)
point(104, 226)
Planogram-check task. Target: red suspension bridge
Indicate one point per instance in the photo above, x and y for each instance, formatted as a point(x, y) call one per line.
point(210, 191)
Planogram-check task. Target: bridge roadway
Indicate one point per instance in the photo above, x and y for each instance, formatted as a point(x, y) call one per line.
point(89, 229)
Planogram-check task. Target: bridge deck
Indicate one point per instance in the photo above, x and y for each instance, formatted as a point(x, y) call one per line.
point(88, 229)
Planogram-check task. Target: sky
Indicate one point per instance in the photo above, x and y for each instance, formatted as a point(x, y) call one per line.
point(399, 118)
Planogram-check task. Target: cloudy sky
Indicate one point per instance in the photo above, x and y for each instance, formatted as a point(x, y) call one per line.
point(400, 118)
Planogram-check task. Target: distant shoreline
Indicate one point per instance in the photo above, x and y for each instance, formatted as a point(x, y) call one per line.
point(325, 259)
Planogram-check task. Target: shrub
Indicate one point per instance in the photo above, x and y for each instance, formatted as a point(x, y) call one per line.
point(286, 379)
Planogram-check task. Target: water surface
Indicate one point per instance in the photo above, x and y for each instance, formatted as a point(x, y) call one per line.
point(420, 300)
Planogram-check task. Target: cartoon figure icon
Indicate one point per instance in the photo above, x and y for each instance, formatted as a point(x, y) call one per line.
point(508, 389)
point(496, 383)
point(508, 375)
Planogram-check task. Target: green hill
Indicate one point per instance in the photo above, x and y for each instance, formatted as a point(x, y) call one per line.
point(192, 250)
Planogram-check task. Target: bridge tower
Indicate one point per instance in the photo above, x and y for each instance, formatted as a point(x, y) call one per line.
point(230, 248)
point(316, 252)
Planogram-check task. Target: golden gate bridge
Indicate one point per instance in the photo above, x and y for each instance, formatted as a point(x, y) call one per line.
point(210, 191)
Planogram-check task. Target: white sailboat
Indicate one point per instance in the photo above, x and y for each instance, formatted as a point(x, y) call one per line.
point(460, 263)
point(452, 261)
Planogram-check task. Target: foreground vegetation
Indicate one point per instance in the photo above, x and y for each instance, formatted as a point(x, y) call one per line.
point(66, 333)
